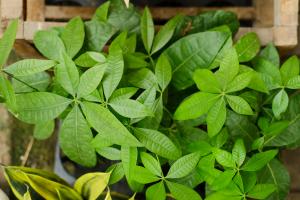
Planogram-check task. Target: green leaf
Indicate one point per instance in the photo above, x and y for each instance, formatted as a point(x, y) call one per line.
point(206, 81)
point(223, 180)
point(247, 47)
point(276, 128)
point(49, 44)
point(216, 117)
point(276, 173)
point(123, 93)
point(102, 12)
point(239, 152)
point(142, 78)
point(182, 192)
point(261, 191)
point(29, 67)
point(163, 72)
point(90, 80)
point(165, 34)
point(239, 105)
point(224, 158)
point(91, 185)
point(143, 175)
point(259, 160)
point(293, 83)
point(7, 41)
point(73, 36)
point(98, 33)
point(157, 143)
point(201, 147)
point(40, 107)
point(289, 69)
point(44, 130)
point(113, 73)
point(67, 75)
point(195, 105)
point(183, 166)
point(7, 91)
point(147, 29)
point(37, 82)
point(75, 138)
point(130, 108)
point(90, 59)
point(156, 192)
point(117, 173)
point(201, 52)
point(270, 53)
point(229, 68)
point(240, 82)
point(106, 123)
point(109, 153)
point(280, 103)
point(151, 164)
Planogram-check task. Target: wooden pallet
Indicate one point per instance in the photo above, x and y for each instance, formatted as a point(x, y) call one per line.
point(273, 20)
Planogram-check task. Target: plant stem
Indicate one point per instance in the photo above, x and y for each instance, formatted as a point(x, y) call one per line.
point(118, 195)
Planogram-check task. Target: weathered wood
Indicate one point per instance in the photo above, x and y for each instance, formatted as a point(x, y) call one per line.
point(264, 13)
point(159, 13)
point(35, 10)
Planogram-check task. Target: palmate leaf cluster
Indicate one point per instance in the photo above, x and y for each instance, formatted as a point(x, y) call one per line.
point(172, 108)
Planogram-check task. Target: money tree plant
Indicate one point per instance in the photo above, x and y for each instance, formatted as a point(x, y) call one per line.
point(182, 113)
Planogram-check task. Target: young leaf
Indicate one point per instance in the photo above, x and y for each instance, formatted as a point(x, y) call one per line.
point(156, 192)
point(113, 73)
point(40, 107)
point(165, 34)
point(195, 105)
point(147, 29)
point(183, 166)
point(123, 93)
point(91, 185)
point(157, 143)
point(239, 152)
point(261, 191)
point(163, 72)
point(216, 117)
point(90, 80)
point(29, 67)
point(106, 123)
point(247, 47)
point(182, 192)
point(90, 59)
point(143, 175)
point(259, 160)
point(206, 81)
point(43, 130)
point(239, 105)
point(289, 69)
point(49, 44)
point(73, 36)
point(130, 108)
point(280, 103)
point(7, 41)
point(224, 158)
point(151, 164)
point(67, 75)
point(229, 68)
point(75, 138)
point(240, 82)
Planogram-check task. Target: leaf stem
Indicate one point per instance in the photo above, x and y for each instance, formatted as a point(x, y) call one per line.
point(12, 76)
point(118, 195)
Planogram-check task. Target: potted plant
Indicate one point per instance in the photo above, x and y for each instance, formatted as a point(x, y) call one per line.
point(184, 113)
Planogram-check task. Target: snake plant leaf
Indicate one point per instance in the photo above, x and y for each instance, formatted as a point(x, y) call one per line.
point(75, 138)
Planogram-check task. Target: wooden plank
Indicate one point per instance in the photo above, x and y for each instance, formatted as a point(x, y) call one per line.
point(35, 10)
point(285, 36)
point(31, 27)
point(264, 13)
point(11, 9)
point(159, 13)
point(286, 12)
point(265, 34)
point(26, 50)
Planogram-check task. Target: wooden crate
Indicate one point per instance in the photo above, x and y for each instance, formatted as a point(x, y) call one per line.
point(273, 20)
